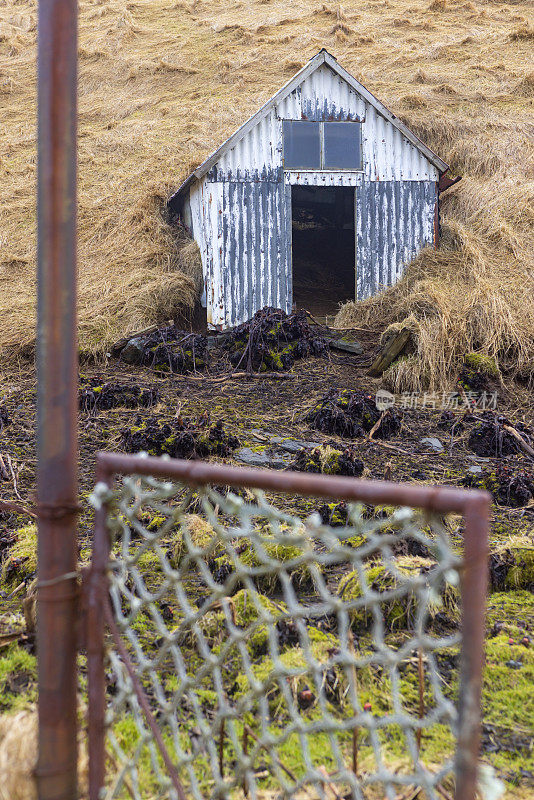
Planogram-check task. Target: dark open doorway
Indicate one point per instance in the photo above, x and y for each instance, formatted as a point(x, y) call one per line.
point(323, 247)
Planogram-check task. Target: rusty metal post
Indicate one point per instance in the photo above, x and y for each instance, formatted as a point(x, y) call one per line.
point(474, 590)
point(57, 400)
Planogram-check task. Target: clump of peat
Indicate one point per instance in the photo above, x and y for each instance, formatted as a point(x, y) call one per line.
point(494, 437)
point(353, 414)
point(328, 461)
point(5, 419)
point(508, 487)
point(454, 423)
point(167, 350)
point(478, 373)
point(180, 439)
point(99, 396)
point(334, 514)
point(273, 340)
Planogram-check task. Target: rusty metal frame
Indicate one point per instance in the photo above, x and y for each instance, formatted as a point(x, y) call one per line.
point(57, 402)
point(473, 505)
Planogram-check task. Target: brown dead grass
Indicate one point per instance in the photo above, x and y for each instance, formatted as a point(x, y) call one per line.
point(162, 83)
point(18, 757)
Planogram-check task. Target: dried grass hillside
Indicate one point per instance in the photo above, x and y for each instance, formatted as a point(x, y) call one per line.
point(162, 83)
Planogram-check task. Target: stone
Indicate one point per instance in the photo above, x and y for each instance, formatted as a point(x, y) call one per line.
point(295, 445)
point(260, 459)
point(433, 444)
point(291, 445)
point(133, 351)
point(476, 469)
point(345, 344)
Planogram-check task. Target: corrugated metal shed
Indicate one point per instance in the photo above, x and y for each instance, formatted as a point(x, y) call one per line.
point(238, 203)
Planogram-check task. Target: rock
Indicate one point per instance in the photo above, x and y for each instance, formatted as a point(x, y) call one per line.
point(292, 445)
point(133, 351)
point(476, 469)
point(345, 344)
point(432, 443)
point(260, 459)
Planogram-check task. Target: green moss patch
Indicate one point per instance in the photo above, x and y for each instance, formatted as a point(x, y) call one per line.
point(484, 364)
point(397, 612)
point(18, 676)
point(21, 563)
point(291, 556)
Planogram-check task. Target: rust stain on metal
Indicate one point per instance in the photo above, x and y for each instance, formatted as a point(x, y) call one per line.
point(445, 182)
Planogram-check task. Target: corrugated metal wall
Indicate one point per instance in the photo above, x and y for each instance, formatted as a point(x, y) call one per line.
point(394, 221)
point(255, 231)
point(241, 210)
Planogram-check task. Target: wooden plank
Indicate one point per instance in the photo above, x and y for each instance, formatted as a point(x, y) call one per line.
point(390, 352)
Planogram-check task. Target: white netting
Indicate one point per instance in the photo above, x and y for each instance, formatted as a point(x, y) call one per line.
point(280, 656)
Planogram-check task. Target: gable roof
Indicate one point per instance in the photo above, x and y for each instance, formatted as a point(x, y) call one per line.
point(322, 57)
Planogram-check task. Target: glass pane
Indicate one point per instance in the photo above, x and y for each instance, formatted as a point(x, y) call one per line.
point(302, 145)
point(342, 145)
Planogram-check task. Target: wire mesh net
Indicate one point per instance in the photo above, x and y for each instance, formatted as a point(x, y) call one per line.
point(282, 649)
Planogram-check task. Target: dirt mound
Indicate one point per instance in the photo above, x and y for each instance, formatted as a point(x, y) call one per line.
point(328, 461)
point(508, 487)
point(167, 349)
point(353, 414)
point(103, 396)
point(181, 439)
point(273, 340)
point(491, 439)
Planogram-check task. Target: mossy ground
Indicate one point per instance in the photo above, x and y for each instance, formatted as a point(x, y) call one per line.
point(21, 562)
point(18, 673)
point(255, 411)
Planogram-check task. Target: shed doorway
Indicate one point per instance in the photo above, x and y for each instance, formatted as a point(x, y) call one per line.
point(323, 248)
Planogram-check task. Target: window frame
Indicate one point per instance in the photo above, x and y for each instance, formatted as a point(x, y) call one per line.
point(322, 168)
